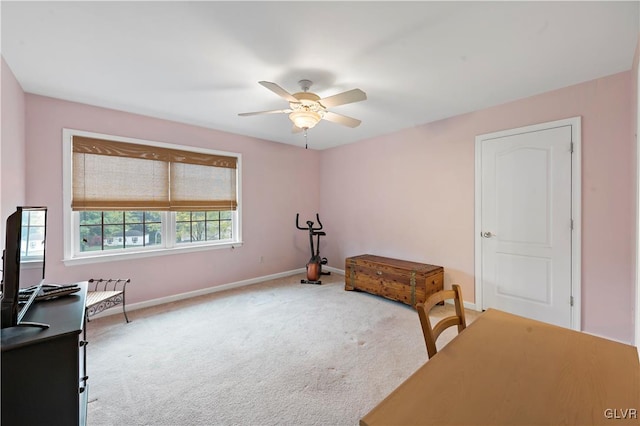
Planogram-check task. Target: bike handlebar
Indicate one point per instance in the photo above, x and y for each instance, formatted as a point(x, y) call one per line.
point(309, 223)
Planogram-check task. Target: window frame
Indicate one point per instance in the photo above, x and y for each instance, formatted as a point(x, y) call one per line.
point(71, 219)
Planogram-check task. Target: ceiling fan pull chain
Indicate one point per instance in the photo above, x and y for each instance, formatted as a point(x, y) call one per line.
point(306, 140)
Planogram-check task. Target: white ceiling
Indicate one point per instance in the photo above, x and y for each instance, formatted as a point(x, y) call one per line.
point(200, 62)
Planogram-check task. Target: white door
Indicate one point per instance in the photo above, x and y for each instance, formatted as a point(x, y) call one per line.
point(526, 223)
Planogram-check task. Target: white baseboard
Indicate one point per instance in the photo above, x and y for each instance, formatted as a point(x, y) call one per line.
point(472, 306)
point(332, 269)
point(467, 305)
point(196, 293)
point(223, 287)
point(610, 338)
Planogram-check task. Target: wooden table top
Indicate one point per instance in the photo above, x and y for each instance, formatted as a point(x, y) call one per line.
point(508, 370)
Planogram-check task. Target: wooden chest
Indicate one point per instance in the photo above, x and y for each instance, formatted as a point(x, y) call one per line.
point(401, 280)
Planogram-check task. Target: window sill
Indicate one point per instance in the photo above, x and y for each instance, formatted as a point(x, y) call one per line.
point(112, 257)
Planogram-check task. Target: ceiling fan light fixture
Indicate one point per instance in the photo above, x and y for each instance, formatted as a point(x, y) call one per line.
point(306, 109)
point(305, 119)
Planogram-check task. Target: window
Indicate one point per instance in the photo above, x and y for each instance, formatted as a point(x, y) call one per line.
point(203, 226)
point(32, 235)
point(127, 197)
point(107, 230)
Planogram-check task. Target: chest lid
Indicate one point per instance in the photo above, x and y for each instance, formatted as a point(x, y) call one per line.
point(371, 260)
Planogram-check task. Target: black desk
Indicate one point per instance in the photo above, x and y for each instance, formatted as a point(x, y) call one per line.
point(43, 371)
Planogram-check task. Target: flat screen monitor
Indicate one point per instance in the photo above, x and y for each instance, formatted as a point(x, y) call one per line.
point(23, 260)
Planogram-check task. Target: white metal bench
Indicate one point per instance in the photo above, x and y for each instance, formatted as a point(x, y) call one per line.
point(104, 294)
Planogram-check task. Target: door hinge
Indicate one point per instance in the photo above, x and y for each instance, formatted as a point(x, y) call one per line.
point(571, 151)
point(572, 224)
point(571, 300)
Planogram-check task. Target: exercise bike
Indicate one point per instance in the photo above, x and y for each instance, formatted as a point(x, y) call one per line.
point(314, 266)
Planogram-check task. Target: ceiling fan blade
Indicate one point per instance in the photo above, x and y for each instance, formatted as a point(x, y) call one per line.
point(273, 111)
point(341, 119)
point(279, 91)
point(350, 96)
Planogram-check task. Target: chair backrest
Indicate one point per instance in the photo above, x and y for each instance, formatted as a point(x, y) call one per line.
point(431, 333)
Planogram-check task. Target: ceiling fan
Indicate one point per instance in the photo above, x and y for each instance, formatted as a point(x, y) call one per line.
point(306, 108)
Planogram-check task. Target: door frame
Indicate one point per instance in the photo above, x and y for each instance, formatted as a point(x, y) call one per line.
point(637, 254)
point(576, 209)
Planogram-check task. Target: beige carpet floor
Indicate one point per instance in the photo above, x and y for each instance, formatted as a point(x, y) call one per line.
point(274, 353)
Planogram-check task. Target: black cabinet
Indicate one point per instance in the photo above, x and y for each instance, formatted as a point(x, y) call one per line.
point(44, 378)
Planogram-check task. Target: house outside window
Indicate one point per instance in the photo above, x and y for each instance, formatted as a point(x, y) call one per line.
point(128, 198)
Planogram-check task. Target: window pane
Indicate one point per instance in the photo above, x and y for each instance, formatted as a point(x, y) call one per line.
point(90, 238)
point(226, 230)
point(226, 215)
point(114, 234)
point(152, 217)
point(197, 231)
point(213, 231)
point(90, 218)
point(197, 215)
point(152, 228)
point(34, 242)
point(113, 217)
point(36, 218)
point(183, 216)
point(134, 236)
point(133, 217)
point(134, 229)
point(213, 215)
point(183, 232)
point(154, 233)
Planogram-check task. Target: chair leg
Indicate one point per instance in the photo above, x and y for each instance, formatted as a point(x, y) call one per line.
point(124, 311)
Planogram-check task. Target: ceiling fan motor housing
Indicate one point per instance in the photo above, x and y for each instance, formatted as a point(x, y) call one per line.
point(307, 98)
point(308, 102)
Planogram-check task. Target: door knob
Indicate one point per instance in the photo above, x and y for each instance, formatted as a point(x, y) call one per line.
point(487, 234)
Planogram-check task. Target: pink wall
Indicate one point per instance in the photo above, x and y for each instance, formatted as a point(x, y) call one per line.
point(12, 145)
point(277, 182)
point(410, 194)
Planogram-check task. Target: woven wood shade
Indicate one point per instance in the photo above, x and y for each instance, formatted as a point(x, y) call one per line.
point(110, 175)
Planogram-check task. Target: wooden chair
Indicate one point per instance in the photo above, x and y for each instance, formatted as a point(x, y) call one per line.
point(431, 334)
